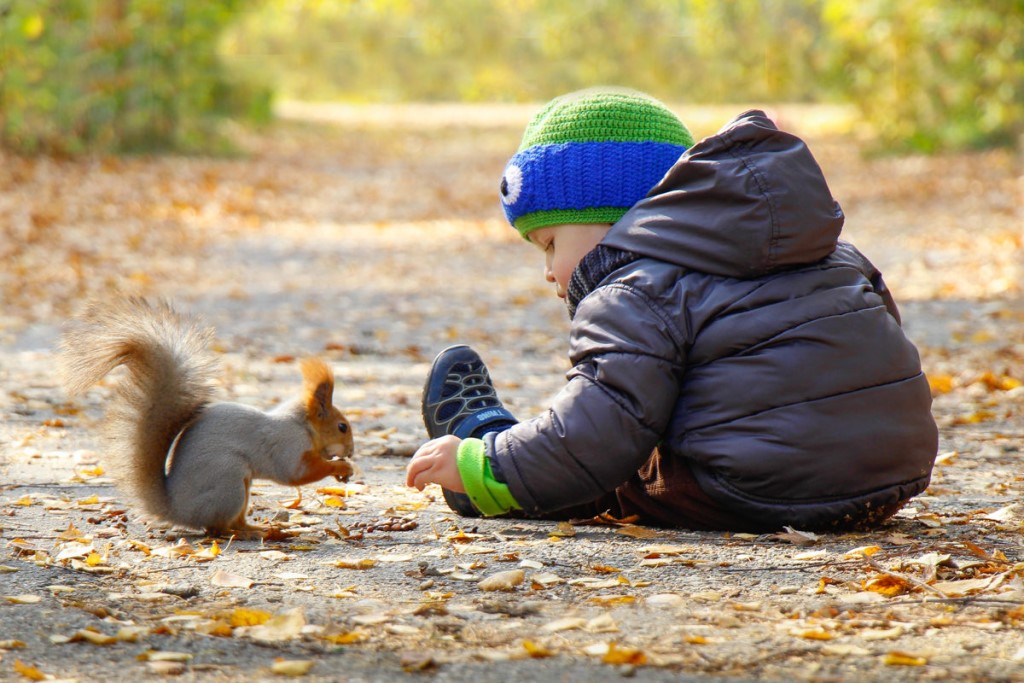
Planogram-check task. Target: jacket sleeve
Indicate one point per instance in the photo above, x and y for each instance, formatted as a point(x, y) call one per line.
point(603, 425)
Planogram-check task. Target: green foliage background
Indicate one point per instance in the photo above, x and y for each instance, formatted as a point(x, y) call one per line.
point(126, 74)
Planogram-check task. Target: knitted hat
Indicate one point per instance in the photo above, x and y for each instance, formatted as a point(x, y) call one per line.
point(589, 156)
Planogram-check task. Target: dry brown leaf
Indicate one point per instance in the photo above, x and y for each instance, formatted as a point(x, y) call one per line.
point(634, 531)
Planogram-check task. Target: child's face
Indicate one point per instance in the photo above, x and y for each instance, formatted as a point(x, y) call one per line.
point(564, 246)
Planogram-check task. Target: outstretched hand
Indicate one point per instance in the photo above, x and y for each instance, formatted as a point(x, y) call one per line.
point(435, 463)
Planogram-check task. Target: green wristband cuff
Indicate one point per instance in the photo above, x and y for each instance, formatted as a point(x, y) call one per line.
point(490, 496)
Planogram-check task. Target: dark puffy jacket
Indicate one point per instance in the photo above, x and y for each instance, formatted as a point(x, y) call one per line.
point(742, 336)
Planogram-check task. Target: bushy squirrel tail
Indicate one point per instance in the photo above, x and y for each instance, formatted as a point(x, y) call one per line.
point(169, 380)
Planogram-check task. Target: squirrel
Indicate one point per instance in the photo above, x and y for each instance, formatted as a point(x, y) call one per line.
point(190, 460)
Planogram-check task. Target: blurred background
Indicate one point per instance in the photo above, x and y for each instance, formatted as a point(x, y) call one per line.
point(131, 75)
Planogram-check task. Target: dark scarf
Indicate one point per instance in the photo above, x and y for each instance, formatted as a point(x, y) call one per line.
point(592, 270)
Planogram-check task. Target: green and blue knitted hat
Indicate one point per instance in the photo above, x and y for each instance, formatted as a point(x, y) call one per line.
point(589, 156)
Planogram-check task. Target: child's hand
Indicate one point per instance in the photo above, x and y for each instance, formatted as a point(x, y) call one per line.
point(434, 463)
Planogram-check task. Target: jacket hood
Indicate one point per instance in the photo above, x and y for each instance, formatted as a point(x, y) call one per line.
point(745, 202)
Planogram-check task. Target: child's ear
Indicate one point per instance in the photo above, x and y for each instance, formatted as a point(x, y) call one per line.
point(318, 384)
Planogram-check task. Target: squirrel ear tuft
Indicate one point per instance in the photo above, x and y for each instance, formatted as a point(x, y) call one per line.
point(318, 386)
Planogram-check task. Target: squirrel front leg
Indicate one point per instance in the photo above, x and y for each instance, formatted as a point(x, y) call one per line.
point(313, 467)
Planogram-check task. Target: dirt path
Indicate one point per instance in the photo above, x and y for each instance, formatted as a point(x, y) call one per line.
point(377, 246)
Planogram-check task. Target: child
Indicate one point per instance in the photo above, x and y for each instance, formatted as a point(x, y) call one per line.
point(735, 365)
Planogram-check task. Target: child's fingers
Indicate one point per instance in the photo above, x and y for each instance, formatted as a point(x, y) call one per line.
point(416, 467)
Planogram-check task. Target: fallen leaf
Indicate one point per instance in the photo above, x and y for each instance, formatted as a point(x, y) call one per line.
point(634, 531)
point(887, 585)
point(228, 580)
point(958, 589)
point(291, 667)
point(796, 537)
point(365, 563)
point(502, 581)
point(285, 626)
point(564, 624)
point(164, 656)
point(624, 655)
point(28, 671)
point(243, 616)
point(903, 659)
point(536, 651)
point(563, 530)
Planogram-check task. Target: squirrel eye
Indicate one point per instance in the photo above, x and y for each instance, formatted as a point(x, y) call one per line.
point(342, 427)
point(511, 184)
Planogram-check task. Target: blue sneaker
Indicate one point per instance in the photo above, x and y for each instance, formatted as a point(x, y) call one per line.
point(459, 399)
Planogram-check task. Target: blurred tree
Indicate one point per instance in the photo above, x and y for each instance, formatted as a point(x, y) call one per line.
point(927, 75)
point(138, 74)
point(117, 74)
point(933, 74)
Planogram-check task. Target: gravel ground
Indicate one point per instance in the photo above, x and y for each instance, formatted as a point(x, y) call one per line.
point(376, 250)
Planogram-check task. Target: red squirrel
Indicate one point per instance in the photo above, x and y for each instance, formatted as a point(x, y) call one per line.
point(190, 460)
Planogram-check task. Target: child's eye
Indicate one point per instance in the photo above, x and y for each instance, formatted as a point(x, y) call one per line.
point(511, 184)
point(342, 427)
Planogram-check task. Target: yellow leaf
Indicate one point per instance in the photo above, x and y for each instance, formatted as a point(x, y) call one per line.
point(999, 382)
point(604, 569)
point(207, 554)
point(940, 384)
point(624, 655)
point(536, 651)
point(11, 644)
point(903, 659)
point(29, 672)
point(887, 585)
point(974, 418)
point(32, 28)
point(93, 559)
point(365, 563)
point(291, 667)
point(862, 551)
point(334, 502)
point(695, 640)
point(345, 638)
point(612, 599)
point(24, 501)
point(242, 616)
point(814, 634)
